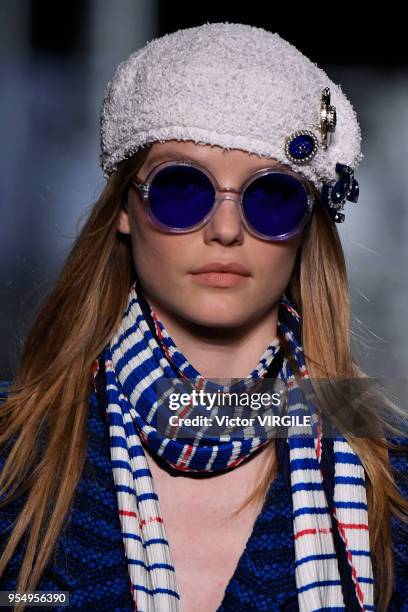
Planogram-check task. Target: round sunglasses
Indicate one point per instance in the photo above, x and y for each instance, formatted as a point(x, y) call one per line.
point(181, 196)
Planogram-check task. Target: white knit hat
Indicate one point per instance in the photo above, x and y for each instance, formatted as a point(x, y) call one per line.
point(236, 86)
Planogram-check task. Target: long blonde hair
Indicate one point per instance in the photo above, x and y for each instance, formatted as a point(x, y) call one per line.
point(48, 398)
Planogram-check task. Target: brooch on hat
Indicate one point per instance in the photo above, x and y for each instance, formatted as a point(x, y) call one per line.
point(335, 196)
point(328, 117)
point(301, 147)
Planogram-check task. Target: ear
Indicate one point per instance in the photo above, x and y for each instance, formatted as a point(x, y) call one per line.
point(123, 222)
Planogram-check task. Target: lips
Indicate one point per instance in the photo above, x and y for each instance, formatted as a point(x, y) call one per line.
point(216, 266)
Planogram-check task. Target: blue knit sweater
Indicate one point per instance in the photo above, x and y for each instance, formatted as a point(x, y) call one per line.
point(90, 562)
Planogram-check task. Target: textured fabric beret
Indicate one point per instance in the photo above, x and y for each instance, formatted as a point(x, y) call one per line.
point(232, 85)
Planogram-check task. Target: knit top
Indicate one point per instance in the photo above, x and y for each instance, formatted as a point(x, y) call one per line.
point(90, 563)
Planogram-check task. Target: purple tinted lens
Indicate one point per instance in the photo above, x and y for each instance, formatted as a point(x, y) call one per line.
point(275, 204)
point(180, 196)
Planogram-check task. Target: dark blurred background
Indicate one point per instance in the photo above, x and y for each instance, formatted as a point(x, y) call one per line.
point(56, 60)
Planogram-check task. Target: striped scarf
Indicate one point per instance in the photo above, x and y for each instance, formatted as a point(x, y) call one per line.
point(139, 354)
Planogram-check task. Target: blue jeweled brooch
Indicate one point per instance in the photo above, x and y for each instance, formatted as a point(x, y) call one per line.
point(335, 196)
point(301, 146)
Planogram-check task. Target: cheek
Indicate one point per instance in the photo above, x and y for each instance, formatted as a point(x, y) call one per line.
point(154, 258)
point(158, 257)
point(277, 263)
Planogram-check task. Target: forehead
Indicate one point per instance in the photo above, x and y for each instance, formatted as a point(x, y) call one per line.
point(211, 156)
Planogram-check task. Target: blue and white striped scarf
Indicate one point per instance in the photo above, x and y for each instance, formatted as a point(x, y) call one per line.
point(134, 361)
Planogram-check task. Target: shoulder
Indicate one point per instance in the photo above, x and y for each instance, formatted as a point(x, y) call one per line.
point(11, 509)
point(97, 432)
point(399, 462)
point(399, 528)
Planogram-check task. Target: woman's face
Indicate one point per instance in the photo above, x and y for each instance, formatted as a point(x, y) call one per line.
point(165, 262)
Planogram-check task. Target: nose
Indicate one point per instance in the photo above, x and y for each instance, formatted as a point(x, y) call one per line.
point(225, 225)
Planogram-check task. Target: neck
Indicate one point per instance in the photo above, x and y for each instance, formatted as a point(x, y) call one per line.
point(221, 352)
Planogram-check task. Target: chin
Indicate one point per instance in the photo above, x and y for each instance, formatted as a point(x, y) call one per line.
point(217, 317)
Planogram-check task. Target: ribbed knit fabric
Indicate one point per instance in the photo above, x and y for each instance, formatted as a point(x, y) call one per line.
point(90, 560)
